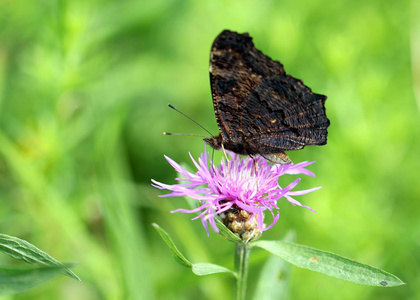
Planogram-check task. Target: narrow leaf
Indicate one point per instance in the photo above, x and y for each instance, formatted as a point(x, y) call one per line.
point(22, 250)
point(201, 269)
point(226, 233)
point(176, 253)
point(19, 279)
point(330, 264)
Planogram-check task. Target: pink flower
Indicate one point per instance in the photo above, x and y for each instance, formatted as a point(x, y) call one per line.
point(250, 184)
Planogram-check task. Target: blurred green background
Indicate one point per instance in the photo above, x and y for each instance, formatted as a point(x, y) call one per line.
point(84, 88)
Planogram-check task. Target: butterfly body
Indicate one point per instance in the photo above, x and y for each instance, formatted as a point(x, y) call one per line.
point(258, 107)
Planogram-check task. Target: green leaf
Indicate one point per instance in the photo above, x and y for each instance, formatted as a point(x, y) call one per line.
point(330, 264)
point(201, 269)
point(226, 233)
point(176, 253)
point(19, 279)
point(274, 280)
point(22, 250)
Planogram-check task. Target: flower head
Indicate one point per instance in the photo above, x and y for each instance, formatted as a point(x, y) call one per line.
point(241, 184)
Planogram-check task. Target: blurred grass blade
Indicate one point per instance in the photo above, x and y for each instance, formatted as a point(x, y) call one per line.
point(226, 233)
point(202, 269)
point(176, 253)
point(274, 280)
point(330, 264)
point(19, 279)
point(22, 250)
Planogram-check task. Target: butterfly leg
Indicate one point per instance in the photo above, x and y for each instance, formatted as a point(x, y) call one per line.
point(224, 152)
point(255, 168)
point(255, 163)
point(227, 160)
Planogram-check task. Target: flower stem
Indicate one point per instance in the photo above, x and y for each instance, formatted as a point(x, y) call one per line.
point(241, 268)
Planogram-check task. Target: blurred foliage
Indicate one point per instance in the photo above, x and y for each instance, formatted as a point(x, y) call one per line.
point(83, 92)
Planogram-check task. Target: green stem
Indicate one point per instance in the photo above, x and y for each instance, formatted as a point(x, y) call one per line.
point(241, 268)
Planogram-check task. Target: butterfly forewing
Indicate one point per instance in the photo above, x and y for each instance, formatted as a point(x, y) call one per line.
point(259, 108)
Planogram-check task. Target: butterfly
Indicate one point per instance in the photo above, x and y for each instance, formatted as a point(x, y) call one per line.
point(261, 110)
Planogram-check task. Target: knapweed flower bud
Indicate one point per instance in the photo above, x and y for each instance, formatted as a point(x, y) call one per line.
point(241, 223)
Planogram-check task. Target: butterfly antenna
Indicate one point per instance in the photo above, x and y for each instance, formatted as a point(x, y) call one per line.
point(184, 134)
point(166, 133)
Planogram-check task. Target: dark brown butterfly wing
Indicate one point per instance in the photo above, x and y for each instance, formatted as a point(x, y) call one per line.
point(259, 108)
